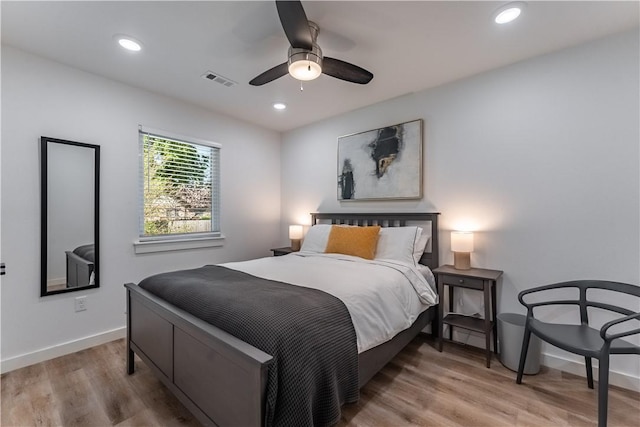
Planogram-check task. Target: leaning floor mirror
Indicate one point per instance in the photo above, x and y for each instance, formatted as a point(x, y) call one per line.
point(69, 173)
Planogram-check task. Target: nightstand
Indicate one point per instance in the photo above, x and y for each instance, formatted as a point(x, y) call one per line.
point(281, 251)
point(480, 279)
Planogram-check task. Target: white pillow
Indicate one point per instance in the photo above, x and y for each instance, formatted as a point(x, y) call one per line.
point(420, 245)
point(405, 244)
point(316, 238)
point(400, 243)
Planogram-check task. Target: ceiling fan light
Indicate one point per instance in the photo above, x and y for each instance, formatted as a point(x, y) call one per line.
point(305, 64)
point(305, 70)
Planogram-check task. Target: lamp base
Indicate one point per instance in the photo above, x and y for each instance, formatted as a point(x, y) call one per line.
point(462, 260)
point(295, 245)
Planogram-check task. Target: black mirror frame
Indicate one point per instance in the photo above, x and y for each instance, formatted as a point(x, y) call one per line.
point(44, 141)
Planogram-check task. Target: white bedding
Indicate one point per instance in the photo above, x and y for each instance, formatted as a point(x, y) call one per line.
point(383, 297)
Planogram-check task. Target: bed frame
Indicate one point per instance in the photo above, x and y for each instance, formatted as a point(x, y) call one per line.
point(221, 379)
point(78, 270)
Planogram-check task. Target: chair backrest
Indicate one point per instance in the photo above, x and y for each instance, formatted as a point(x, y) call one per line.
point(584, 303)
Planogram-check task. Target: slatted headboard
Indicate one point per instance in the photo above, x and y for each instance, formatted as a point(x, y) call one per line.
point(421, 219)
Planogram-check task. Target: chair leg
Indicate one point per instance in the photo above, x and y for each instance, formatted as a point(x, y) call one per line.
point(603, 390)
point(523, 352)
point(587, 363)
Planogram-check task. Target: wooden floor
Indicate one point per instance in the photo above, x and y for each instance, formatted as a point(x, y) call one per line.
point(419, 387)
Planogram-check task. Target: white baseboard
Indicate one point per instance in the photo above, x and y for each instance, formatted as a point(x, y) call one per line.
point(57, 282)
point(48, 353)
point(615, 378)
point(619, 379)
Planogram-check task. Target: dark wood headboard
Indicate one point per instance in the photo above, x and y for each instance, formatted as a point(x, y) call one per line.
point(384, 219)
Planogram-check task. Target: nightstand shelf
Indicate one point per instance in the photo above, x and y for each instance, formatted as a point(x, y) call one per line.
point(480, 279)
point(466, 322)
point(281, 251)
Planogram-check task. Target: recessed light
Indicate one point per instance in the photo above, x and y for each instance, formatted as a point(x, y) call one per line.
point(279, 106)
point(128, 43)
point(508, 12)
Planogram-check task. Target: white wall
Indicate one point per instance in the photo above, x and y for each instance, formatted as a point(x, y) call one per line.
point(40, 97)
point(541, 158)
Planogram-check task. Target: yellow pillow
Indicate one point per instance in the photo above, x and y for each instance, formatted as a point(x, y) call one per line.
point(357, 241)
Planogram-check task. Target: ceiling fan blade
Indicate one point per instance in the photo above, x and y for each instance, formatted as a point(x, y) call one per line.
point(345, 71)
point(270, 75)
point(295, 24)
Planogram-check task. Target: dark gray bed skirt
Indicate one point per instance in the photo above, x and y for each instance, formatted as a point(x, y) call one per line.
point(374, 359)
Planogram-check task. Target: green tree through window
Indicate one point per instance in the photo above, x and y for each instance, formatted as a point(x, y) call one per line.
point(179, 186)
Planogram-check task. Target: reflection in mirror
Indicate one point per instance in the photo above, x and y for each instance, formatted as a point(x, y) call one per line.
point(69, 222)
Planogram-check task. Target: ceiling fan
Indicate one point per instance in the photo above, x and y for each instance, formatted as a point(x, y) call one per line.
point(305, 56)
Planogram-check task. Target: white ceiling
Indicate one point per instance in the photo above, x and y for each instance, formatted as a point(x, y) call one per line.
point(408, 46)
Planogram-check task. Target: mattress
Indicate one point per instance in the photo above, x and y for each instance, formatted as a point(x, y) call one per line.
point(383, 297)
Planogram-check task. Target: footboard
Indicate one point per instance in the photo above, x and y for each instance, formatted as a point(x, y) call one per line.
point(218, 377)
point(78, 270)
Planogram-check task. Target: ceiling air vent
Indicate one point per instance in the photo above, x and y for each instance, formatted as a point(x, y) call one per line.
point(214, 77)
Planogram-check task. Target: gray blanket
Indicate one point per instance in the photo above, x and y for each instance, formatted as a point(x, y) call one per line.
point(308, 332)
point(87, 252)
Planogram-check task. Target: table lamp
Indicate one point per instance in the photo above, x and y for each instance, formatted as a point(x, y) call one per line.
point(462, 246)
point(295, 234)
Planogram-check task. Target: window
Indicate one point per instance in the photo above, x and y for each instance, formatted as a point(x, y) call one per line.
point(179, 187)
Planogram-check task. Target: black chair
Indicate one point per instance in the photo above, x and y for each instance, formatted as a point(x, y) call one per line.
point(582, 339)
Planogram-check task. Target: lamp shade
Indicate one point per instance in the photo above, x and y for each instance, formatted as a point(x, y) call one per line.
point(305, 70)
point(295, 232)
point(462, 241)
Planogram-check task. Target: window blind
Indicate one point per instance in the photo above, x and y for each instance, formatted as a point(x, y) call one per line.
point(179, 186)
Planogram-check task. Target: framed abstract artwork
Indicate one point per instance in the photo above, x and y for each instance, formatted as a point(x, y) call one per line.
point(381, 164)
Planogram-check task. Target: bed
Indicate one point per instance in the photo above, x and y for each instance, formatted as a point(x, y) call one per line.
point(81, 266)
point(224, 380)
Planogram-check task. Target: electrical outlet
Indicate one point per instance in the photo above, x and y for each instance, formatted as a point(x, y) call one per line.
point(81, 304)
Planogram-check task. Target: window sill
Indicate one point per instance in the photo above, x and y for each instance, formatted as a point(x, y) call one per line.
point(165, 245)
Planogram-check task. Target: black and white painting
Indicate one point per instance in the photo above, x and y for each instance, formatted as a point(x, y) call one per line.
point(383, 163)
